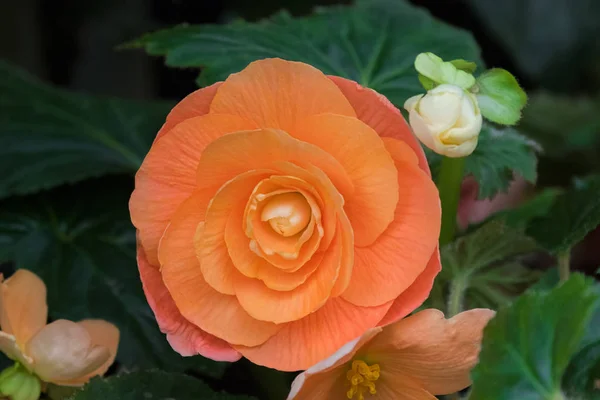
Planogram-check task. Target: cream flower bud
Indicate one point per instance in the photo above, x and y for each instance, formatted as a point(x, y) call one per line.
point(446, 119)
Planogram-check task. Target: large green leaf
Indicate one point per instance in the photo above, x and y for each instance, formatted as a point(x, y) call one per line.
point(80, 242)
point(374, 43)
point(50, 136)
point(572, 215)
point(151, 385)
point(500, 154)
point(486, 265)
point(528, 346)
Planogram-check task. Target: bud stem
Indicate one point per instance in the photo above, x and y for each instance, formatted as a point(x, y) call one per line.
point(449, 185)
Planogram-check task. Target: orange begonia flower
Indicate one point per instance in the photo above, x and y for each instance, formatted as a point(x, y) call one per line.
point(415, 358)
point(282, 213)
point(63, 352)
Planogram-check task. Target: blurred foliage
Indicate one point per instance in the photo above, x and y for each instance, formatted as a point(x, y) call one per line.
point(553, 42)
point(573, 214)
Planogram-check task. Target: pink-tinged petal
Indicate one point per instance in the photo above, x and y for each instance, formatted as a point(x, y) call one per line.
point(303, 343)
point(185, 338)
point(416, 294)
point(322, 380)
point(380, 114)
point(430, 349)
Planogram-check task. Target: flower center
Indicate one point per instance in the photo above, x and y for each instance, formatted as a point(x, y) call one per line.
point(362, 379)
point(287, 213)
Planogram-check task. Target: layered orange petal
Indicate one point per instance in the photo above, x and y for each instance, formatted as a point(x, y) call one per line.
point(167, 175)
point(363, 155)
point(185, 338)
point(232, 155)
point(284, 306)
point(278, 94)
point(194, 104)
point(218, 314)
point(253, 266)
point(437, 353)
point(327, 378)
point(210, 246)
point(380, 114)
point(389, 266)
point(303, 343)
point(23, 308)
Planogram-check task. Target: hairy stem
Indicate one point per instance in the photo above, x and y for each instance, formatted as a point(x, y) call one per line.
point(456, 295)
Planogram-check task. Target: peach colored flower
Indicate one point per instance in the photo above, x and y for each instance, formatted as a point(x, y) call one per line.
point(415, 358)
point(63, 352)
point(282, 213)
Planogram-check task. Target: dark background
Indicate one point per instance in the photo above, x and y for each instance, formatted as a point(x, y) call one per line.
point(72, 43)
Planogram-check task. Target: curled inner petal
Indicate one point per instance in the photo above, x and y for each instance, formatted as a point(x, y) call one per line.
point(287, 213)
point(280, 220)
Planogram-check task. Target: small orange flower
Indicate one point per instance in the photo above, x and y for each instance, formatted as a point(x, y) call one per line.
point(282, 213)
point(416, 358)
point(63, 352)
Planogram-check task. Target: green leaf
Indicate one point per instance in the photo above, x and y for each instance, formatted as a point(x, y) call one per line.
point(500, 97)
point(146, 385)
point(582, 373)
point(574, 213)
point(374, 43)
point(500, 154)
point(527, 347)
point(434, 68)
point(50, 136)
point(80, 241)
point(488, 263)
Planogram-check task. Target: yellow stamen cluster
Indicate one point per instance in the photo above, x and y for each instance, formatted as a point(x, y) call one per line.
point(362, 379)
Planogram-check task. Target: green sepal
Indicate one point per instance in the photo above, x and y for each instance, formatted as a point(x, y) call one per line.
point(17, 383)
point(464, 65)
point(500, 97)
point(437, 70)
point(427, 83)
